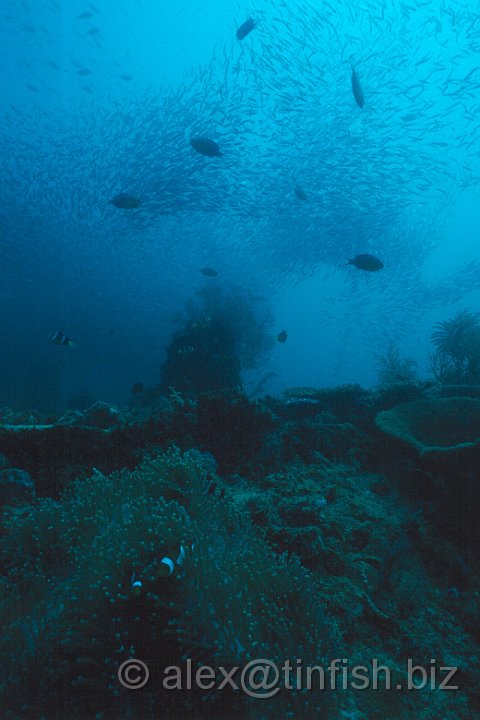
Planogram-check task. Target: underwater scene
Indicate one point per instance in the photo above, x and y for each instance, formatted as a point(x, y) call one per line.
point(240, 360)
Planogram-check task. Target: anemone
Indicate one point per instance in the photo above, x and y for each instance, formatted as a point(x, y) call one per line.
point(91, 569)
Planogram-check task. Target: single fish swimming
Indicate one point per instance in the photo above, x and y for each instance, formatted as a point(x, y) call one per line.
point(282, 336)
point(300, 193)
point(357, 89)
point(205, 146)
point(125, 201)
point(246, 28)
point(209, 271)
point(367, 262)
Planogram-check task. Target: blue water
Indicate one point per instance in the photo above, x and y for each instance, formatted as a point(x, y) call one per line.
point(100, 100)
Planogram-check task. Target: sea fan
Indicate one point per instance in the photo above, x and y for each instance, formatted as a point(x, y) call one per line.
point(457, 355)
point(395, 370)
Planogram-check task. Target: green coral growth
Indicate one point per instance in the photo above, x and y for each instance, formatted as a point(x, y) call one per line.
point(95, 592)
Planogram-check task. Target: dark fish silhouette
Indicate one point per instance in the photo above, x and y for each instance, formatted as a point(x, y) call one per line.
point(137, 388)
point(209, 271)
point(300, 193)
point(125, 201)
point(366, 262)
point(205, 146)
point(357, 89)
point(245, 28)
point(282, 336)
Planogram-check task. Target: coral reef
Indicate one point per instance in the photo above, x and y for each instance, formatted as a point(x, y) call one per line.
point(443, 439)
point(298, 528)
point(221, 334)
point(437, 425)
point(456, 358)
point(56, 454)
point(233, 428)
point(385, 574)
point(16, 487)
point(345, 402)
point(230, 601)
point(394, 369)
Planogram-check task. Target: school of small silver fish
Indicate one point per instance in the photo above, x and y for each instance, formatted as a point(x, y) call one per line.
point(327, 133)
